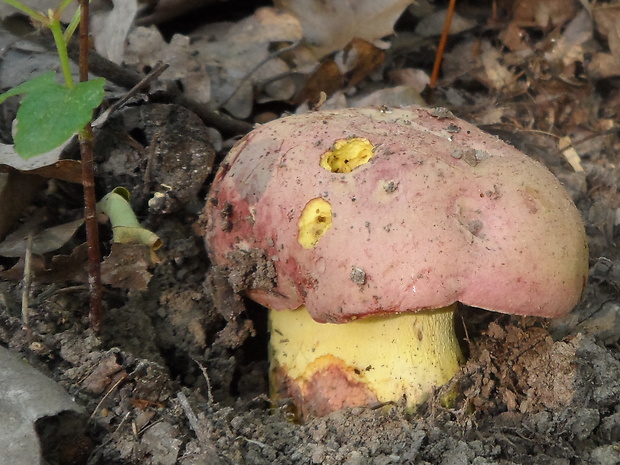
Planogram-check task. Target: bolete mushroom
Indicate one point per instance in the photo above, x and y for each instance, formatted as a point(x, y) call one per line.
point(360, 230)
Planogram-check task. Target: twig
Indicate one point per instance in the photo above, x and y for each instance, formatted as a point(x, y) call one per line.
point(27, 282)
point(204, 440)
point(123, 376)
point(146, 81)
point(88, 183)
point(208, 381)
point(442, 44)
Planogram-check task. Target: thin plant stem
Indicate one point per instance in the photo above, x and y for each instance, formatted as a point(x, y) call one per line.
point(442, 44)
point(61, 47)
point(73, 25)
point(88, 183)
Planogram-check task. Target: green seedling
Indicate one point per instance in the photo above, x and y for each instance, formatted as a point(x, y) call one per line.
point(126, 228)
point(50, 112)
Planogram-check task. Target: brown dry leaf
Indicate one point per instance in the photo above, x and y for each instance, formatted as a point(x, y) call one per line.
point(64, 170)
point(16, 192)
point(127, 267)
point(43, 242)
point(569, 47)
point(607, 18)
point(604, 65)
point(350, 66)
point(146, 47)
point(410, 77)
point(104, 374)
point(496, 75)
point(513, 36)
point(62, 269)
point(330, 25)
point(549, 13)
point(238, 59)
point(359, 59)
point(326, 78)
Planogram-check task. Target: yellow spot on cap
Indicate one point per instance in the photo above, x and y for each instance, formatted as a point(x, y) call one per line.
point(315, 220)
point(347, 154)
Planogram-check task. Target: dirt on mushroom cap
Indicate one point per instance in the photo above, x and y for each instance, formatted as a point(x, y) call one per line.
point(441, 212)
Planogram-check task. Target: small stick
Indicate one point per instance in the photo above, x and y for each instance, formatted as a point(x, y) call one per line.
point(123, 376)
point(88, 183)
point(207, 444)
point(154, 74)
point(27, 282)
point(208, 381)
point(442, 44)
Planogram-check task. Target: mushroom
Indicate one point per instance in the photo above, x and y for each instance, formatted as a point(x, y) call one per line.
point(360, 230)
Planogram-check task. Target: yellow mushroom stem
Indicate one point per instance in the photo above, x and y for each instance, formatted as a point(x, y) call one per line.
point(325, 367)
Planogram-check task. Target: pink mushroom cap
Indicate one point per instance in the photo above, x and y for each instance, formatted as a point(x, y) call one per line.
point(442, 212)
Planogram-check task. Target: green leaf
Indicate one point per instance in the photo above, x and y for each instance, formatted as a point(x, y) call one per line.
point(38, 83)
point(51, 113)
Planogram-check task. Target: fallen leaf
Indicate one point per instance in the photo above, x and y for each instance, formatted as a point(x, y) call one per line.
point(326, 78)
point(568, 49)
point(110, 27)
point(565, 145)
point(348, 67)
point(9, 157)
point(61, 269)
point(43, 242)
point(607, 19)
point(126, 267)
point(358, 60)
point(497, 75)
point(146, 47)
point(16, 192)
point(545, 14)
point(239, 59)
point(330, 25)
point(432, 25)
point(26, 396)
point(410, 77)
point(64, 170)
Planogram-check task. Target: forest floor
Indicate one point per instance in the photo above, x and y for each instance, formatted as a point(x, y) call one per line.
point(178, 374)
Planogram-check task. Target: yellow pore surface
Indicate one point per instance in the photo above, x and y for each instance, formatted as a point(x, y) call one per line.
point(314, 221)
point(347, 154)
point(405, 355)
